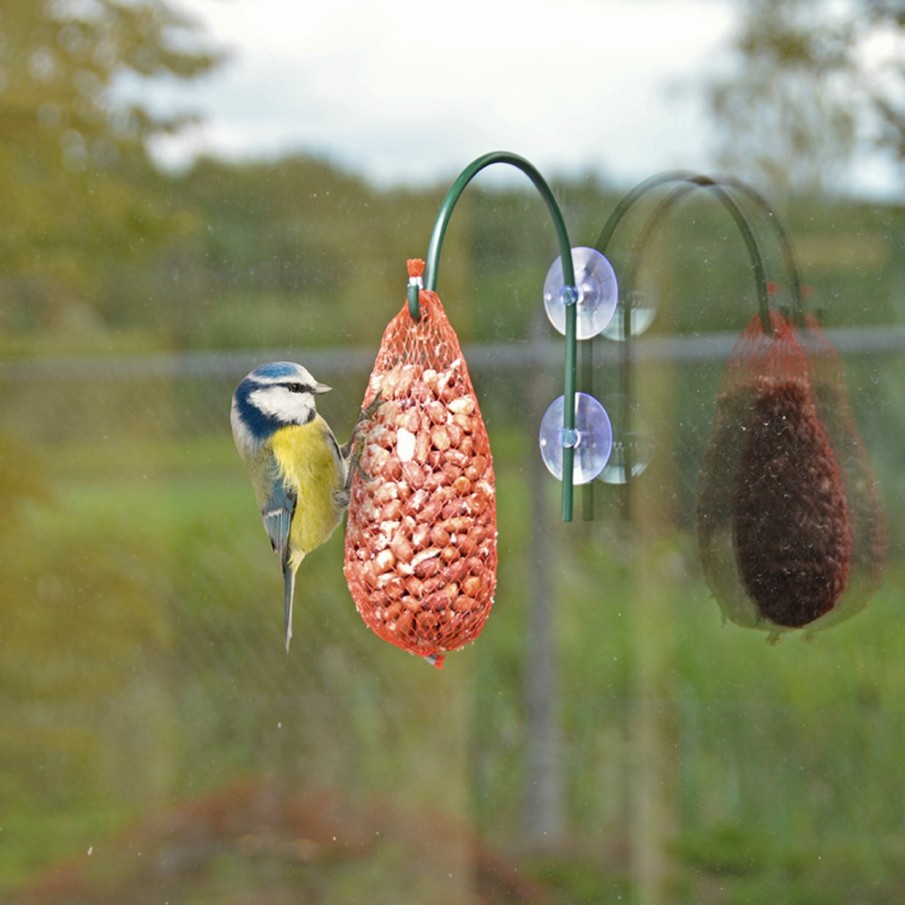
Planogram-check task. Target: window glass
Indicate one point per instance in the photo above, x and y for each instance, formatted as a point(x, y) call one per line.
point(657, 709)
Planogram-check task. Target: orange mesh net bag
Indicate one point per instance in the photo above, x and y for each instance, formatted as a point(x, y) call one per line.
point(421, 548)
point(774, 525)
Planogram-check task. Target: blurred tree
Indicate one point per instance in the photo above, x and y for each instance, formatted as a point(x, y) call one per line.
point(73, 161)
point(814, 81)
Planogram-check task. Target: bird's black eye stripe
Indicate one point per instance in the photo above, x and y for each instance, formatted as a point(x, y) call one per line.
point(298, 388)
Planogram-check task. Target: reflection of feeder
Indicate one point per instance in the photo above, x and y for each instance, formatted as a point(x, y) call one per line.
point(790, 526)
point(771, 496)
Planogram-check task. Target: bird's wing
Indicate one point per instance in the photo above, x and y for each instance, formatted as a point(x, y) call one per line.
point(340, 454)
point(276, 511)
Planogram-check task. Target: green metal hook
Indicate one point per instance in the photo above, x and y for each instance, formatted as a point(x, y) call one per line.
point(430, 282)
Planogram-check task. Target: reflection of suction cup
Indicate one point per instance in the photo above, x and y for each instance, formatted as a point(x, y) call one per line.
point(592, 438)
point(642, 306)
point(595, 281)
point(631, 456)
point(632, 443)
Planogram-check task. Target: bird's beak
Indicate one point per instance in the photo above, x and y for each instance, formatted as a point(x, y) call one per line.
point(320, 388)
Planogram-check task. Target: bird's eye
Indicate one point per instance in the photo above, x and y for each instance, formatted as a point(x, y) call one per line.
point(295, 388)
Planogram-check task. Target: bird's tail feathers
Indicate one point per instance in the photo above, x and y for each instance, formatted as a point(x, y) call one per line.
point(288, 594)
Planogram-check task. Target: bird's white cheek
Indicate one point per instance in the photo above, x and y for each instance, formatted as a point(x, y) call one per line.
point(278, 403)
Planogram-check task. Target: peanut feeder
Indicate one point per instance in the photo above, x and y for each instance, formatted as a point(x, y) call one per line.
point(421, 549)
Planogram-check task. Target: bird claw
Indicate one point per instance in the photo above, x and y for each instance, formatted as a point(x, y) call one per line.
point(361, 472)
point(354, 468)
point(364, 415)
point(371, 408)
point(352, 450)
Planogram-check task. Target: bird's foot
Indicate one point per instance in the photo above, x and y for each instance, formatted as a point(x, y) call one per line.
point(370, 409)
point(352, 450)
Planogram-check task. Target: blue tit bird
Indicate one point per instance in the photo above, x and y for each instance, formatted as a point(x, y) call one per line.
point(299, 472)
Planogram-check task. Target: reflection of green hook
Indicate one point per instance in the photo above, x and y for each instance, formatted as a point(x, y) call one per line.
point(717, 185)
point(782, 236)
point(430, 282)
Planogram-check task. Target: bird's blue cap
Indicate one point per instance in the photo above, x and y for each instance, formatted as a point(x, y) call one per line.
point(273, 370)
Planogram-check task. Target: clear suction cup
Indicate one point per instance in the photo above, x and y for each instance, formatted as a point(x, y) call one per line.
point(595, 281)
point(592, 438)
point(642, 306)
point(632, 443)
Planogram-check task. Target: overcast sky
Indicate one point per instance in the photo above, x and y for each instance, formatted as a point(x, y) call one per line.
point(408, 91)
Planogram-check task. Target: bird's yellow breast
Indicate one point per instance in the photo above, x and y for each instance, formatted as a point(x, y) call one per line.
point(309, 465)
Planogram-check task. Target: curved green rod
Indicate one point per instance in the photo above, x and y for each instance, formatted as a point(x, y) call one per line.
point(565, 249)
point(452, 196)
